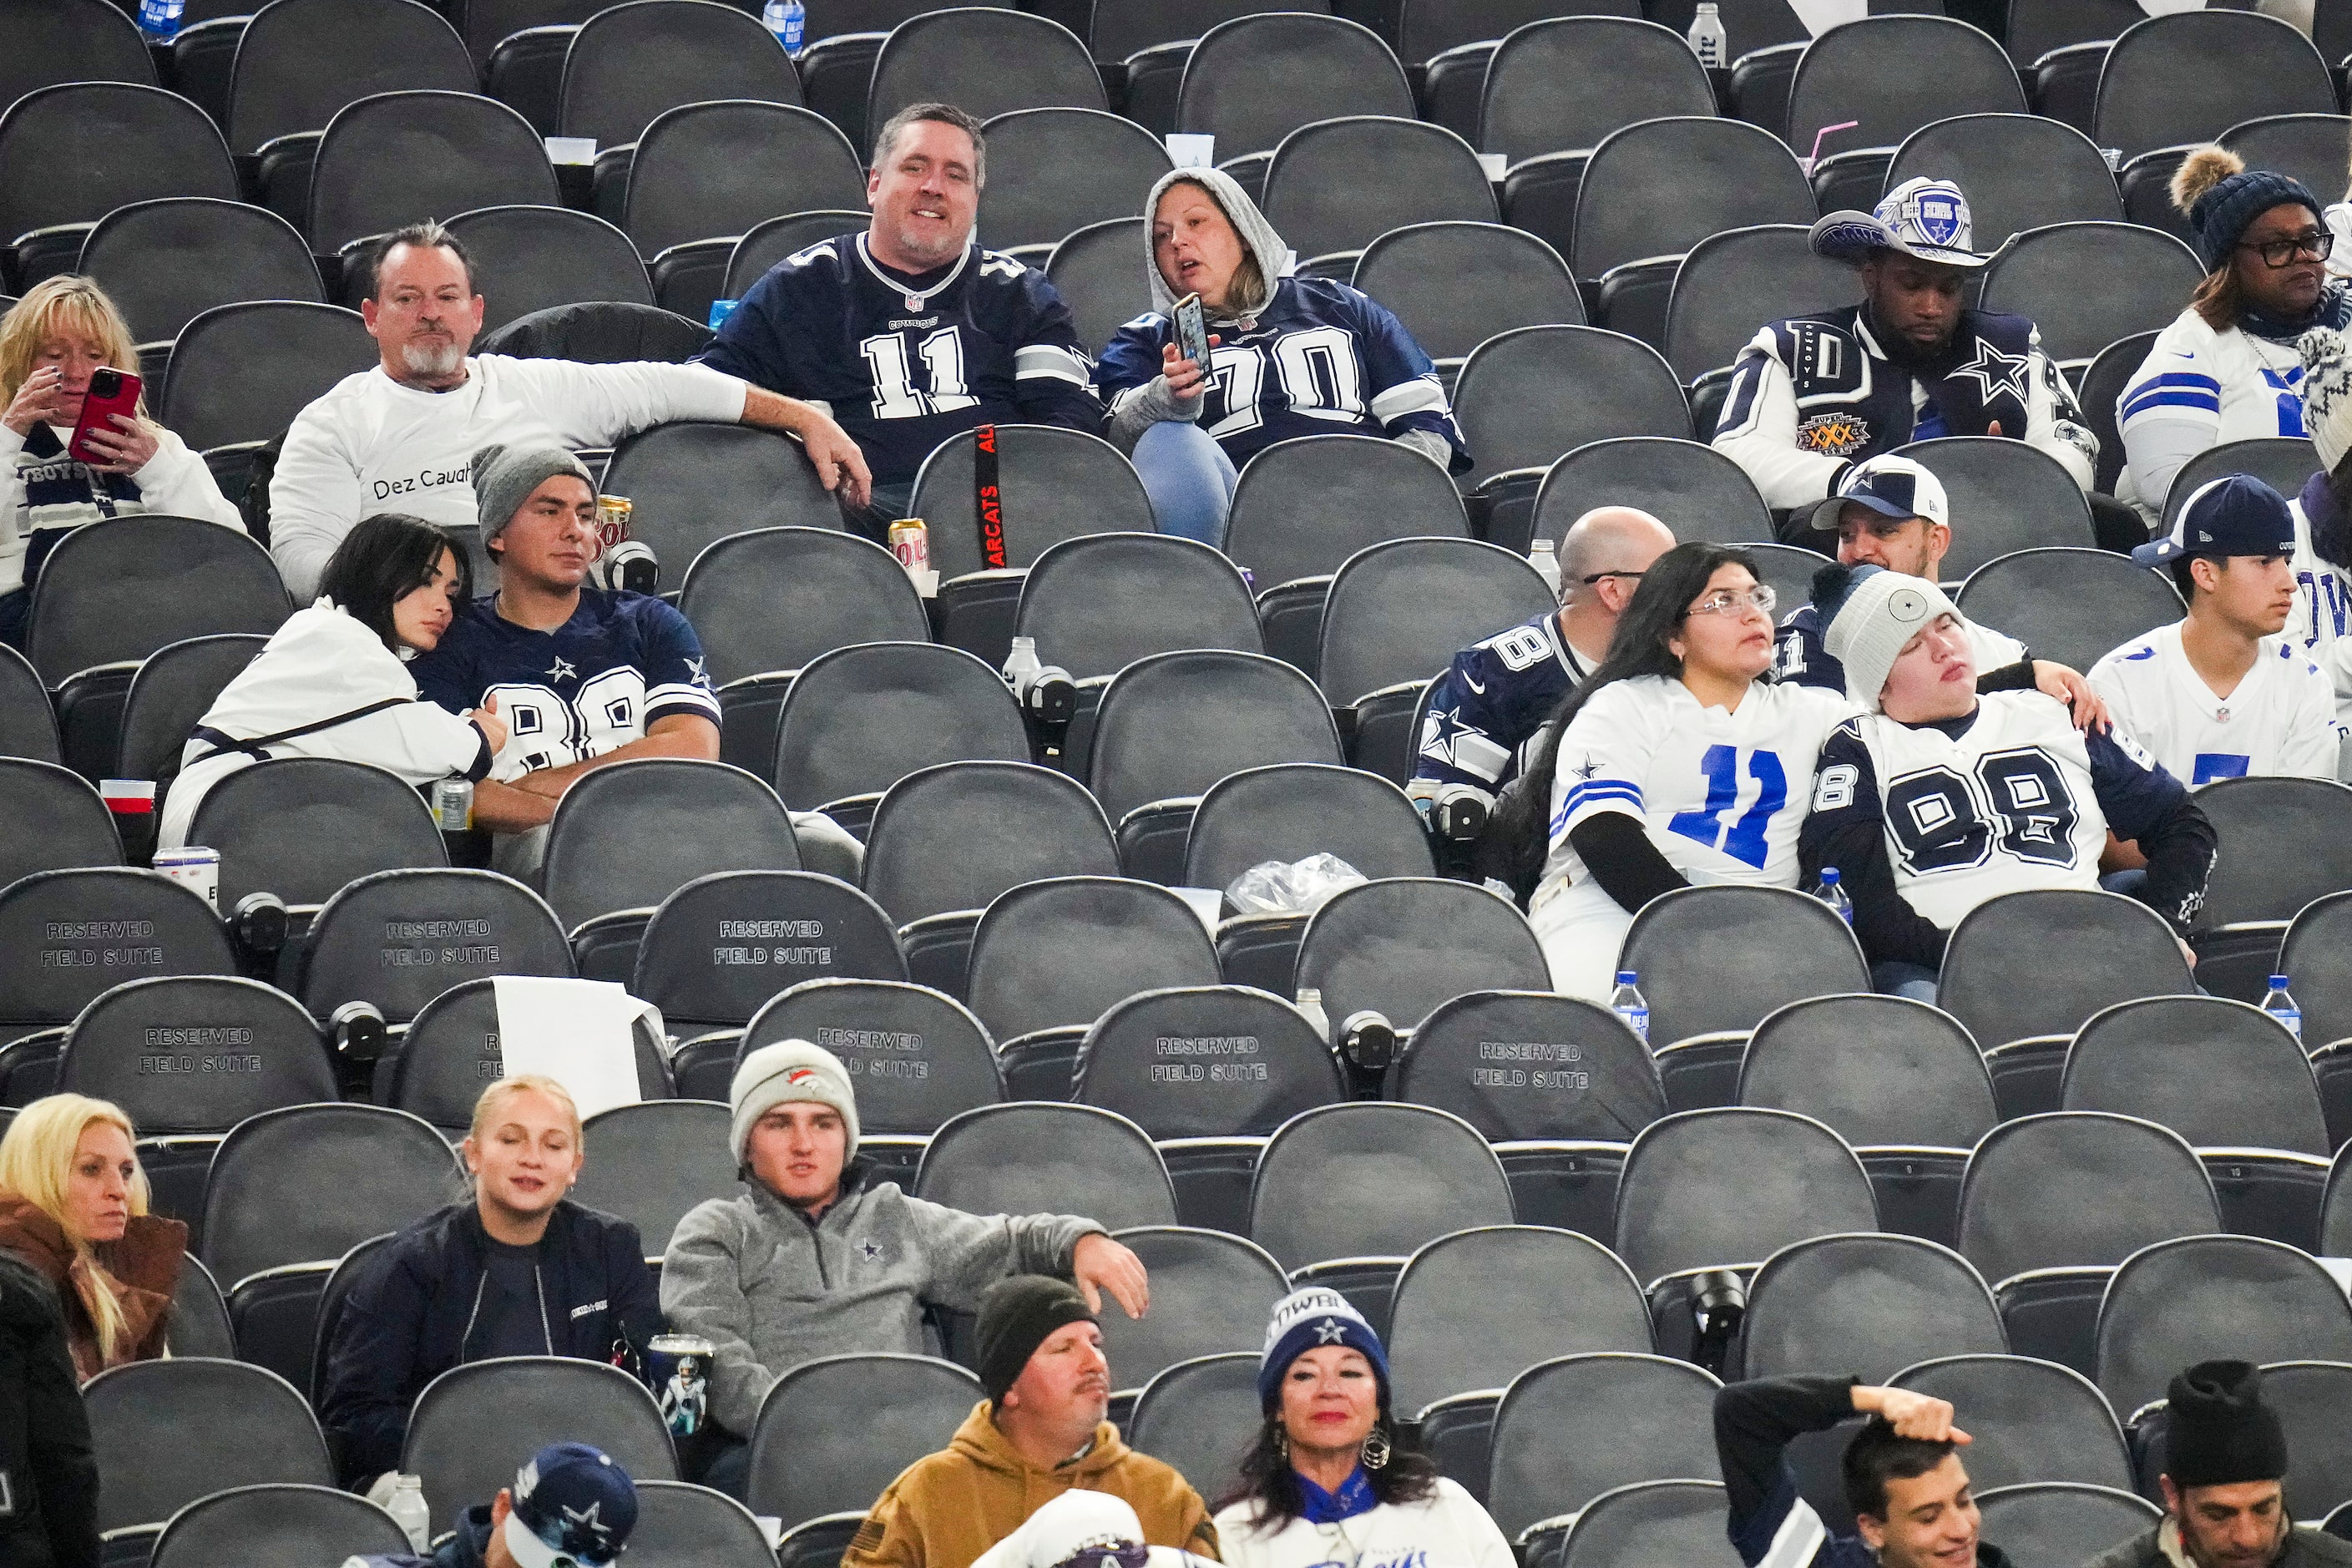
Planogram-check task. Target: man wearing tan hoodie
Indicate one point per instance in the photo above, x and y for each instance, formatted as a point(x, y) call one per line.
point(1040, 1432)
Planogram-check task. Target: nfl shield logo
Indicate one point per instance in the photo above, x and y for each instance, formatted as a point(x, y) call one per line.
point(1940, 219)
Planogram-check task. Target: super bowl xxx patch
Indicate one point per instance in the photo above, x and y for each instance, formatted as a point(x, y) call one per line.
point(1834, 434)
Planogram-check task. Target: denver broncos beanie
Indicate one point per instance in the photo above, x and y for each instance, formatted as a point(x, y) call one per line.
point(781, 1074)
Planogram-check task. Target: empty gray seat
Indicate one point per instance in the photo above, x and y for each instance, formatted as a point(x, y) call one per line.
point(367, 1170)
point(651, 1163)
point(544, 256)
point(1871, 1303)
point(2070, 604)
point(2309, 1398)
point(167, 1433)
point(1290, 810)
point(1572, 1430)
point(1875, 1069)
point(1175, 723)
point(1057, 484)
point(2013, 497)
point(242, 372)
point(1435, 1174)
point(2148, 274)
point(1720, 958)
point(2033, 1420)
point(704, 170)
point(629, 63)
point(275, 1525)
point(775, 599)
point(627, 836)
point(2079, 1189)
point(1059, 1159)
point(955, 836)
point(987, 61)
point(2314, 957)
point(398, 158)
point(1895, 74)
point(28, 725)
point(2158, 88)
point(1658, 187)
point(2088, 951)
point(1205, 1061)
point(166, 926)
point(721, 945)
point(2178, 1302)
point(1061, 952)
point(1476, 1309)
point(1305, 505)
point(1650, 1525)
point(1096, 271)
point(236, 1048)
point(694, 484)
point(1251, 81)
point(2020, 171)
point(1210, 1294)
point(840, 1428)
point(1456, 284)
point(1712, 1188)
point(2203, 1041)
point(1200, 1416)
point(305, 827)
point(165, 262)
point(305, 59)
point(1404, 945)
point(1399, 611)
point(2060, 1522)
point(472, 1421)
point(1055, 171)
point(75, 829)
point(1099, 603)
point(1730, 284)
point(138, 583)
point(1633, 67)
point(1530, 1064)
point(858, 719)
point(1690, 486)
point(398, 939)
point(1528, 398)
point(682, 1523)
point(82, 41)
point(1339, 185)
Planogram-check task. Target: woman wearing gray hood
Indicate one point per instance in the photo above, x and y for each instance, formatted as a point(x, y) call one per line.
point(1292, 356)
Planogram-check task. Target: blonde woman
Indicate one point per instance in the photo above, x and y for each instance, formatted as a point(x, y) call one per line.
point(63, 329)
point(73, 1204)
point(517, 1270)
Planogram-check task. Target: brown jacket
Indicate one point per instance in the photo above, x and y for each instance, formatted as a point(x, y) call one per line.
point(144, 1266)
point(948, 1508)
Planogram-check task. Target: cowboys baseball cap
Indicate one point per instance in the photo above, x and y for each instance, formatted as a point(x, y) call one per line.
point(1926, 219)
point(574, 1507)
point(2236, 514)
point(1888, 485)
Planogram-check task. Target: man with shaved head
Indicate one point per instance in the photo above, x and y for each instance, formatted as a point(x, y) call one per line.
point(1488, 709)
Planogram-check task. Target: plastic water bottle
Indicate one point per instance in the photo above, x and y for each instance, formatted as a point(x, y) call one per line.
point(408, 1510)
point(1833, 894)
point(788, 18)
point(1707, 38)
point(1545, 558)
point(1310, 1003)
point(2282, 1006)
point(160, 19)
point(1628, 1004)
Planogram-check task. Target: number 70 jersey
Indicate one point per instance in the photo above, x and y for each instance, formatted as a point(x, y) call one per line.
point(1720, 794)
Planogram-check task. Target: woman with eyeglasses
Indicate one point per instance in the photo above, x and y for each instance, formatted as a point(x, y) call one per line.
point(2227, 367)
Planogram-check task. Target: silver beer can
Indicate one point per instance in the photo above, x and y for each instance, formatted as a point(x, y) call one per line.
point(453, 805)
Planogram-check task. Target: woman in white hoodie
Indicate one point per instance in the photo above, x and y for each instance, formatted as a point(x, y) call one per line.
point(333, 681)
point(1326, 1481)
point(51, 342)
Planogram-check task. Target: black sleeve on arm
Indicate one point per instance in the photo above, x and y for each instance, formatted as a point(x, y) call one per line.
point(1616, 849)
point(61, 1464)
point(2018, 677)
point(1846, 828)
point(2143, 802)
point(1754, 1422)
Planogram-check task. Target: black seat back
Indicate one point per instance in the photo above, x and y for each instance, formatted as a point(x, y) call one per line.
point(860, 719)
point(367, 1170)
point(955, 836)
point(451, 1051)
point(1688, 486)
point(1099, 273)
point(399, 157)
point(1402, 945)
point(1253, 80)
point(1660, 186)
point(1715, 1188)
point(632, 62)
point(1057, 170)
point(92, 928)
point(2150, 272)
point(2014, 498)
point(1894, 74)
point(1874, 1069)
point(1290, 810)
point(242, 372)
point(1474, 1309)
point(2273, 1103)
point(1730, 284)
point(1033, 1158)
point(1531, 1064)
point(1722, 957)
point(398, 939)
point(544, 256)
point(692, 485)
point(73, 826)
point(305, 827)
point(1055, 484)
point(1062, 952)
point(651, 1163)
point(618, 839)
point(716, 168)
point(1175, 723)
point(2136, 956)
point(471, 1421)
point(1455, 283)
point(921, 1058)
point(2159, 88)
point(165, 262)
point(2069, 603)
point(196, 1053)
point(300, 61)
point(1632, 67)
point(166, 1432)
point(1435, 1174)
point(2037, 1421)
point(1401, 610)
point(138, 583)
point(1306, 505)
point(777, 598)
point(2020, 171)
point(1339, 185)
point(275, 1525)
point(1099, 603)
point(987, 61)
point(721, 945)
point(2180, 1303)
point(1876, 1303)
point(2074, 1189)
point(1206, 1061)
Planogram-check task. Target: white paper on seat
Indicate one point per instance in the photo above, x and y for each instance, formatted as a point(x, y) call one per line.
point(1819, 15)
point(2166, 7)
point(577, 1032)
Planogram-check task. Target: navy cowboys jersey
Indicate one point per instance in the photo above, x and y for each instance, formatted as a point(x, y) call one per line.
point(591, 686)
point(1321, 360)
point(1486, 712)
point(905, 361)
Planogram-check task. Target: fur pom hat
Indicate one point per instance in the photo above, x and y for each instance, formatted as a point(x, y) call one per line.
point(2220, 196)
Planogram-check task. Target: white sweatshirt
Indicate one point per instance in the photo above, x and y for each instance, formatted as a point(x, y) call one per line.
point(1447, 1530)
point(175, 481)
point(371, 444)
point(321, 663)
point(2198, 388)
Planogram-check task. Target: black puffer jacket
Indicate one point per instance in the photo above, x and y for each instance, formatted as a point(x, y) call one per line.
point(50, 1515)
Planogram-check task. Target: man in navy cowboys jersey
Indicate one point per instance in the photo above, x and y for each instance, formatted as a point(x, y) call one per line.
point(1486, 712)
point(910, 332)
point(1937, 797)
point(1811, 395)
point(582, 678)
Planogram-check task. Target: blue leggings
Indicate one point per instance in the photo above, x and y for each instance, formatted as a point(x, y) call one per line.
point(1189, 478)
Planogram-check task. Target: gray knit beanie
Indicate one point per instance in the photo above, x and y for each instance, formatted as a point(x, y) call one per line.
point(505, 475)
point(782, 1074)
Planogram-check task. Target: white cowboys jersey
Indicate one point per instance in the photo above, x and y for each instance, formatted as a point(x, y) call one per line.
point(2281, 719)
point(2321, 623)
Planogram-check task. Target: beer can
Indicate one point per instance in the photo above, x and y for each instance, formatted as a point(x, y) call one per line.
point(910, 542)
point(195, 867)
point(453, 805)
point(613, 519)
point(678, 1366)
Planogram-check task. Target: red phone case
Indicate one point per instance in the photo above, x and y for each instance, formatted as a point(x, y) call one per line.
point(94, 412)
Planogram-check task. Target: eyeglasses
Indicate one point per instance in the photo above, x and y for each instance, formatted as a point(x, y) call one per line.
point(2312, 245)
point(1731, 601)
point(1590, 578)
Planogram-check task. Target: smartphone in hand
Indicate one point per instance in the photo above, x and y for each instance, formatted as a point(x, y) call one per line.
point(111, 392)
point(1193, 330)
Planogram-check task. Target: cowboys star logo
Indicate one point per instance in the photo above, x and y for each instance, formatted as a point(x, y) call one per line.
point(1994, 372)
point(1832, 435)
point(563, 670)
point(1328, 1331)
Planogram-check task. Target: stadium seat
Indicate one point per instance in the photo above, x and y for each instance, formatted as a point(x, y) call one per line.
point(858, 719)
point(987, 61)
point(692, 485)
point(1788, 568)
point(166, 261)
point(1305, 505)
point(241, 373)
point(1867, 1306)
point(1695, 489)
point(1253, 80)
point(2019, 172)
point(275, 1525)
point(303, 828)
point(651, 1163)
point(600, 331)
point(2283, 462)
point(1099, 273)
point(1119, 28)
point(169, 1432)
point(765, 244)
point(471, 1422)
point(2100, 386)
point(537, 257)
point(302, 61)
point(1895, 74)
point(100, 145)
point(721, 945)
point(615, 844)
point(2309, 1396)
point(1628, 71)
point(1572, 1429)
point(1098, 603)
point(1403, 945)
point(1025, 976)
point(364, 1169)
point(1528, 396)
point(1900, 1081)
point(75, 829)
point(1057, 484)
point(629, 63)
point(2144, 275)
point(1455, 285)
point(682, 1523)
point(2033, 1420)
point(1047, 1159)
point(1435, 1175)
point(400, 157)
point(1339, 185)
point(1212, 1295)
point(1399, 611)
point(2177, 1302)
point(2011, 497)
point(2051, 1203)
point(1697, 1194)
point(200, 1325)
point(2282, 846)
point(451, 1050)
point(2311, 956)
point(28, 725)
point(2308, 147)
point(1653, 1521)
point(1730, 284)
point(2070, 604)
point(703, 170)
point(1714, 962)
point(1052, 172)
point(486, 24)
point(2158, 87)
point(2062, 1522)
point(398, 939)
point(134, 585)
point(67, 918)
point(52, 44)
point(1288, 811)
point(1199, 1417)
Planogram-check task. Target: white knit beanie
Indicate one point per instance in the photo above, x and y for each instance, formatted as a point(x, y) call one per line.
point(783, 1074)
point(2326, 394)
point(1867, 625)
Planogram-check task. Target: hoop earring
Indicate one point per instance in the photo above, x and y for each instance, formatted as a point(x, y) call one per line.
point(1376, 1449)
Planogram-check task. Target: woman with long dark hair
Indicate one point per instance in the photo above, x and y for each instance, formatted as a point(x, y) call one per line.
point(1328, 1479)
point(1675, 762)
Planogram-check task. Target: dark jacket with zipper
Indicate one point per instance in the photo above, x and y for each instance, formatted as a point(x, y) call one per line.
point(49, 1473)
point(409, 1321)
